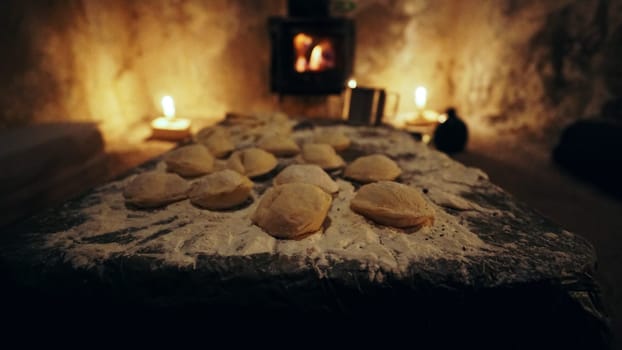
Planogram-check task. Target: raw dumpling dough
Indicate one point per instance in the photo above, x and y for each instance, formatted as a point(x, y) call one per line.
point(291, 210)
point(155, 189)
point(277, 123)
point(307, 173)
point(321, 154)
point(193, 160)
point(393, 204)
point(246, 130)
point(252, 162)
point(376, 167)
point(221, 190)
point(335, 138)
point(279, 145)
point(217, 140)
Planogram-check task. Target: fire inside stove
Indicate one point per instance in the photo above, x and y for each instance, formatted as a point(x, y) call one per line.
point(313, 54)
point(310, 55)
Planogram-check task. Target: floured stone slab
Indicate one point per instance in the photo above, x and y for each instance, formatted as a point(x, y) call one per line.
point(481, 239)
point(180, 233)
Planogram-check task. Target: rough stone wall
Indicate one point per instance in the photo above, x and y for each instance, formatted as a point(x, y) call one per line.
point(510, 67)
point(112, 61)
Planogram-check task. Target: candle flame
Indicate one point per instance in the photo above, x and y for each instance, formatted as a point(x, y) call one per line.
point(421, 97)
point(168, 106)
point(352, 83)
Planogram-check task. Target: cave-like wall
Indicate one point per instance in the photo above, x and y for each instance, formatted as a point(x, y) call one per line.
point(509, 66)
point(112, 61)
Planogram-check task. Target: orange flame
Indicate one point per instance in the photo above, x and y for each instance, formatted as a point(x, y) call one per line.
point(314, 58)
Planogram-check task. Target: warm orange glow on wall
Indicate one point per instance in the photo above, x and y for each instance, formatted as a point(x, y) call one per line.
point(111, 61)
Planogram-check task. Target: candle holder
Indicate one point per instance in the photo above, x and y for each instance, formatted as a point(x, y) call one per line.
point(169, 127)
point(422, 122)
point(423, 117)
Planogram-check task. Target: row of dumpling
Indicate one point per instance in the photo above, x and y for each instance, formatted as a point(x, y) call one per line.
point(294, 209)
point(215, 150)
point(300, 200)
point(155, 189)
point(229, 182)
point(297, 204)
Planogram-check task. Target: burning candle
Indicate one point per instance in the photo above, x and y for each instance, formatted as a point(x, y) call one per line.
point(421, 99)
point(169, 127)
point(168, 107)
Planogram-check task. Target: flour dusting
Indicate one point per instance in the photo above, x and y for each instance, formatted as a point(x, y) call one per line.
point(180, 232)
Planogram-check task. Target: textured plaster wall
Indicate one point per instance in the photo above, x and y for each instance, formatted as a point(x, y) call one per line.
point(112, 61)
point(511, 67)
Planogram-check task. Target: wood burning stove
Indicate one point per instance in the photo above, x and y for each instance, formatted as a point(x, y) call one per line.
point(312, 53)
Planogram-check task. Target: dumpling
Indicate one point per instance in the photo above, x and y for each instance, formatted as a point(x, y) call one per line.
point(193, 160)
point(279, 145)
point(292, 210)
point(321, 154)
point(155, 189)
point(393, 204)
point(252, 162)
point(376, 167)
point(217, 140)
point(221, 190)
point(307, 173)
point(335, 138)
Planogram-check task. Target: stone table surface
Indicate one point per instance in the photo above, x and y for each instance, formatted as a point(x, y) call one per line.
point(488, 262)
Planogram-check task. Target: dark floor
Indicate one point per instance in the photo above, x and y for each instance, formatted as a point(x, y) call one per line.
point(575, 205)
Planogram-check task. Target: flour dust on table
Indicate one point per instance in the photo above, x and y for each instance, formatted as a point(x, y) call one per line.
point(179, 233)
point(470, 259)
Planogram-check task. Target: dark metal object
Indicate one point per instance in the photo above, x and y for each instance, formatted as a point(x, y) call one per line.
point(452, 135)
point(366, 106)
